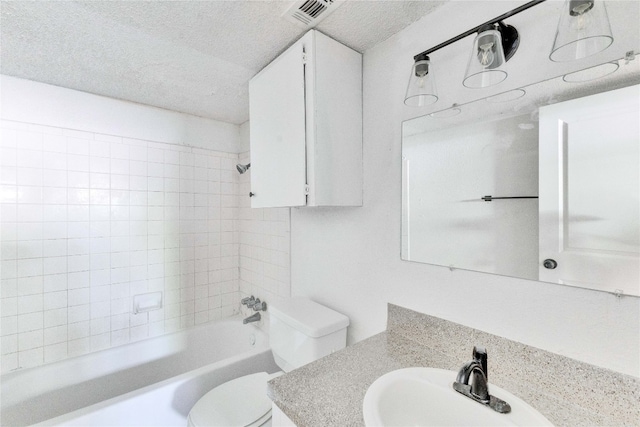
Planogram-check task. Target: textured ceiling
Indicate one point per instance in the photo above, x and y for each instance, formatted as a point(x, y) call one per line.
point(194, 57)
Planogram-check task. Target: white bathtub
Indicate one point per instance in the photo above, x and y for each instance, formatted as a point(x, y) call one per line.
point(154, 382)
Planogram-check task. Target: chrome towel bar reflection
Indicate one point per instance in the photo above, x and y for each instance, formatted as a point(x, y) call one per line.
point(490, 198)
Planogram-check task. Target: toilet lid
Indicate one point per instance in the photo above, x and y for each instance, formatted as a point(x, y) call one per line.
point(237, 403)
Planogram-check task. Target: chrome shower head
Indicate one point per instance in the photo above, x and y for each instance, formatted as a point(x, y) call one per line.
point(243, 168)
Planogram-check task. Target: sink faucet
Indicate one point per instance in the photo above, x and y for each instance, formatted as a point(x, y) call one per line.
point(472, 382)
point(476, 371)
point(253, 318)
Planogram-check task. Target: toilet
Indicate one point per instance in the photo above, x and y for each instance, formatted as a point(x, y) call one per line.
point(300, 332)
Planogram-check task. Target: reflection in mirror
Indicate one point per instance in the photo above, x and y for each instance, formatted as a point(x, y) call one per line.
point(581, 158)
point(448, 172)
point(590, 191)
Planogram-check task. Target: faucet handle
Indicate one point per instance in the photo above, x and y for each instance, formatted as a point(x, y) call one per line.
point(480, 355)
point(259, 305)
point(248, 301)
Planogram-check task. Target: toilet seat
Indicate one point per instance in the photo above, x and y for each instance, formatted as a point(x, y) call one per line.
point(241, 402)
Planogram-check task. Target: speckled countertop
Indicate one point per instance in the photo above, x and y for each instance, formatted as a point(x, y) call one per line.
point(330, 391)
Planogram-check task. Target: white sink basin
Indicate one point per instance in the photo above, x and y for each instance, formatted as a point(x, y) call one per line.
point(425, 397)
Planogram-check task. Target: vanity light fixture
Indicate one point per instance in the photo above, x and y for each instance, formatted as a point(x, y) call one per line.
point(421, 90)
point(583, 30)
point(494, 45)
point(591, 73)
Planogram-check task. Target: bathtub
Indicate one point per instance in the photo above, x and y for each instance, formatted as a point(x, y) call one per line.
point(154, 382)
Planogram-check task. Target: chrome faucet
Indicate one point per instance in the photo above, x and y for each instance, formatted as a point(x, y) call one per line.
point(248, 301)
point(259, 305)
point(253, 318)
point(476, 371)
point(472, 381)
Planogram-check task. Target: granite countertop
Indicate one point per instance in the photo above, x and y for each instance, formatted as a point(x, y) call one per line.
point(330, 391)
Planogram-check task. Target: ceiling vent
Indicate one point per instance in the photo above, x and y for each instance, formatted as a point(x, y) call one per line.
point(308, 13)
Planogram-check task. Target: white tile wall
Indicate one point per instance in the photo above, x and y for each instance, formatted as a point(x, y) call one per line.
point(89, 220)
point(264, 247)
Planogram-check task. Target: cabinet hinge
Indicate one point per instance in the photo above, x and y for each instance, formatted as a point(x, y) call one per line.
point(304, 56)
point(306, 189)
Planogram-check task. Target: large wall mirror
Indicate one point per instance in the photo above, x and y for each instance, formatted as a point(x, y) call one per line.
point(541, 182)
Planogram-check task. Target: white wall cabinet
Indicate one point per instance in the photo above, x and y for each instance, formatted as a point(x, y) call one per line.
point(306, 126)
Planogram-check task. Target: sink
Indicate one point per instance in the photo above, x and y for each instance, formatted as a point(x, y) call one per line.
point(425, 397)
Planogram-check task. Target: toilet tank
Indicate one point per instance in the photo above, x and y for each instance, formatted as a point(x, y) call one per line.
point(302, 331)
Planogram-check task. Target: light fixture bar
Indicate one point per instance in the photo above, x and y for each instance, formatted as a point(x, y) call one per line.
point(479, 27)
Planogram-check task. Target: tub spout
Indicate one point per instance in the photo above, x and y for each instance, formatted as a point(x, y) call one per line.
point(253, 318)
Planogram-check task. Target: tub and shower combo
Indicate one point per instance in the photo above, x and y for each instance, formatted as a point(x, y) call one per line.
point(154, 382)
point(214, 374)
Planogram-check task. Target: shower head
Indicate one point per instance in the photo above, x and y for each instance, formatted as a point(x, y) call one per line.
point(243, 168)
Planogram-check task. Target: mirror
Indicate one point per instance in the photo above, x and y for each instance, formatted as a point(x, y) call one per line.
point(472, 175)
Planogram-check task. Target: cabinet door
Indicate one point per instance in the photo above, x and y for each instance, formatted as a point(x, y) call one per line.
point(277, 111)
point(590, 191)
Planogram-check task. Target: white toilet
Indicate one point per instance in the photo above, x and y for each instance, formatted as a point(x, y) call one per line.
point(300, 332)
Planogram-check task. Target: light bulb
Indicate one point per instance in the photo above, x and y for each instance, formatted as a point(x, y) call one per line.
point(421, 70)
point(485, 54)
point(580, 16)
point(581, 22)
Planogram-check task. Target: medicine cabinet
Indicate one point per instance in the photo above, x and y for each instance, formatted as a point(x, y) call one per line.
point(306, 126)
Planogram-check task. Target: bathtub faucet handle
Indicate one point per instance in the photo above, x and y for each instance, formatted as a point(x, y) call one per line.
point(248, 301)
point(259, 305)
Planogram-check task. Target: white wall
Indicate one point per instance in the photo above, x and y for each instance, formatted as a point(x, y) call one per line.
point(264, 247)
point(89, 219)
point(244, 137)
point(264, 244)
point(349, 258)
point(32, 102)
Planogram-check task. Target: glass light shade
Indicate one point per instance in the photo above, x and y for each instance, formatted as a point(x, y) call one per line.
point(583, 30)
point(486, 65)
point(591, 73)
point(421, 90)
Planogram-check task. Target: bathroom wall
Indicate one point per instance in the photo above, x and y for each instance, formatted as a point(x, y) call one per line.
point(33, 102)
point(264, 244)
point(102, 200)
point(349, 258)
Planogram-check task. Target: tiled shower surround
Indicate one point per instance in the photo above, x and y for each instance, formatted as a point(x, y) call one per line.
point(90, 220)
